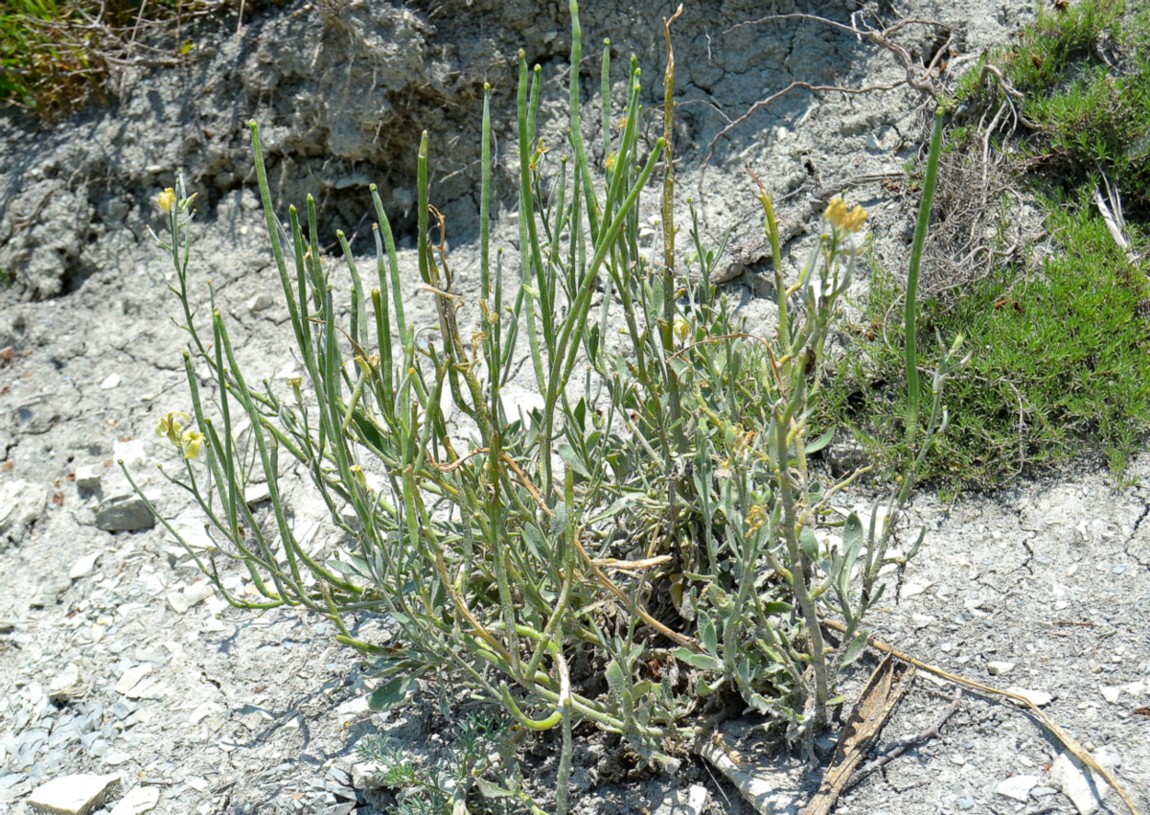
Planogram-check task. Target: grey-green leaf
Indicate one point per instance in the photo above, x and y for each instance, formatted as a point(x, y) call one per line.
point(854, 649)
point(704, 662)
point(391, 693)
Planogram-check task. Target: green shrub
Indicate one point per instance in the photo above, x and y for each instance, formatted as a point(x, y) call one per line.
point(648, 537)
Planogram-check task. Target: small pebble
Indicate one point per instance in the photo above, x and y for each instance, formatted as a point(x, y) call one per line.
point(84, 566)
point(259, 303)
point(966, 802)
point(1037, 698)
point(1017, 787)
point(139, 800)
point(131, 678)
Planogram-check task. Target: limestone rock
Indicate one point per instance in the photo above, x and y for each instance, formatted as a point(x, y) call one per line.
point(181, 600)
point(21, 504)
point(1077, 783)
point(88, 476)
point(131, 678)
point(67, 685)
point(1038, 698)
point(84, 566)
point(124, 512)
point(137, 801)
point(1018, 787)
point(74, 794)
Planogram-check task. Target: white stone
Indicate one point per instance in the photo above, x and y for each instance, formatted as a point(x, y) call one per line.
point(1077, 783)
point(519, 403)
point(111, 382)
point(149, 689)
point(114, 757)
point(132, 677)
point(21, 503)
point(84, 566)
point(1037, 698)
point(289, 371)
point(204, 711)
point(999, 668)
point(74, 794)
point(353, 707)
point(130, 452)
point(367, 775)
point(690, 801)
point(922, 620)
point(1111, 694)
point(260, 302)
point(881, 518)
point(1018, 787)
point(138, 800)
point(88, 476)
point(257, 494)
point(885, 140)
point(696, 798)
point(66, 684)
point(977, 604)
point(914, 587)
point(189, 526)
point(184, 599)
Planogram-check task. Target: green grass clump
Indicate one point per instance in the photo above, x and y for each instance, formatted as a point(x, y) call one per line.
point(44, 63)
point(1059, 349)
point(1060, 363)
point(1084, 78)
point(55, 53)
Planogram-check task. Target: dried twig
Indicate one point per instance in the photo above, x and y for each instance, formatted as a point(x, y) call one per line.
point(902, 745)
point(1068, 741)
point(1115, 220)
point(876, 702)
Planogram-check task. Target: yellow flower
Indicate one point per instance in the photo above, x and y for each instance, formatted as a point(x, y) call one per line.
point(190, 442)
point(170, 425)
point(682, 328)
point(540, 151)
point(756, 517)
point(844, 220)
point(167, 200)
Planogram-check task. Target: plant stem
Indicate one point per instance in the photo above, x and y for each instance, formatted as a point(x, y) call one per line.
point(910, 313)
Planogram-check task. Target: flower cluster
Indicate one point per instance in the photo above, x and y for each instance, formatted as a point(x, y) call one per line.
point(843, 220)
point(175, 200)
point(189, 440)
point(166, 200)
